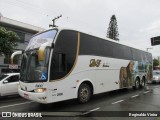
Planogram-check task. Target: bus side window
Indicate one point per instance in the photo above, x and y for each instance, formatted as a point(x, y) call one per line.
point(58, 66)
point(61, 63)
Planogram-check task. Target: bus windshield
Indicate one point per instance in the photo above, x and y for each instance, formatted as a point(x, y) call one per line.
point(39, 39)
point(33, 70)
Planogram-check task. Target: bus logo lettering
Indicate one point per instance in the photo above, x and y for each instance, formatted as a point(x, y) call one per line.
point(95, 63)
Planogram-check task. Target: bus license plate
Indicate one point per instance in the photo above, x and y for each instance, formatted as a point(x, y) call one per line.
point(26, 95)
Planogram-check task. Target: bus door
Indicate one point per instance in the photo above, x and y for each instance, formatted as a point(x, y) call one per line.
point(58, 66)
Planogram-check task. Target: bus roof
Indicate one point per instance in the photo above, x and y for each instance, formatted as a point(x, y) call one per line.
point(108, 39)
point(64, 28)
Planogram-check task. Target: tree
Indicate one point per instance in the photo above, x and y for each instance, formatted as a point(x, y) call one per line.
point(112, 31)
point(8, 41)
point(155, 62)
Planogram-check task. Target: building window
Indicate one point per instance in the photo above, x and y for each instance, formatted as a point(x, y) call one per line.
point(21, 35)
point(28, 37)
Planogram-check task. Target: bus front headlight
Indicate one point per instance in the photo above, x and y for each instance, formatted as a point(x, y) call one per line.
point(40, 90)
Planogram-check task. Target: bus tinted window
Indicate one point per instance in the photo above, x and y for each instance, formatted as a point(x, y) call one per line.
point(91, 45)
point(64, 55)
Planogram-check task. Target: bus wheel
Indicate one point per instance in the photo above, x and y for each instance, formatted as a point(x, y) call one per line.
point(84, 93)
point(137, 84)
point(143, 83)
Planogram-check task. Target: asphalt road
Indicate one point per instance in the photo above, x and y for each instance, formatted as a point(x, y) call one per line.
point(120, 104)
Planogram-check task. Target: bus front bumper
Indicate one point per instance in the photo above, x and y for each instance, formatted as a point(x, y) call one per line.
point(38, 97)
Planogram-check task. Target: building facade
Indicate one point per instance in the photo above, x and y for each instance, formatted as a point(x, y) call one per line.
point(25, 32)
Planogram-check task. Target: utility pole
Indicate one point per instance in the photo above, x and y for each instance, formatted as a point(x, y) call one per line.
point(148, 48)
point(53, 25)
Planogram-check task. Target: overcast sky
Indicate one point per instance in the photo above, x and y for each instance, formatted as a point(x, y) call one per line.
point(138, 20)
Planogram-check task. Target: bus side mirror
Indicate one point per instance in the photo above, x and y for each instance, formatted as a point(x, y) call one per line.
point(41, 53)
point(14, 54)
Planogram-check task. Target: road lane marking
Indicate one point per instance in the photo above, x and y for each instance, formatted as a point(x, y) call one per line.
point(134, 96)
point(90, 111)
point(94, 109)
point(146, 92)
point(117, 102)
point(16, 104)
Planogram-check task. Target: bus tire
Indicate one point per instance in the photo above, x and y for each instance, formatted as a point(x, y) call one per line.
point(143, 83)
point(137, 84)
point(84, 93)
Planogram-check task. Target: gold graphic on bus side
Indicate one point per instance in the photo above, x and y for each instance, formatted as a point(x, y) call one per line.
point(95, 63)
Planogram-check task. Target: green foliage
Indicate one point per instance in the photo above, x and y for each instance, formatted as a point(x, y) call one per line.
point(8, 41)
point(112, 31)
point(155, 62)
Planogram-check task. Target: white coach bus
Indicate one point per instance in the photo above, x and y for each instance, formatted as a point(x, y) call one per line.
point(61, 64)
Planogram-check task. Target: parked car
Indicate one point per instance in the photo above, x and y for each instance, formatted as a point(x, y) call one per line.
point(9, 84)
point(156, 76)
